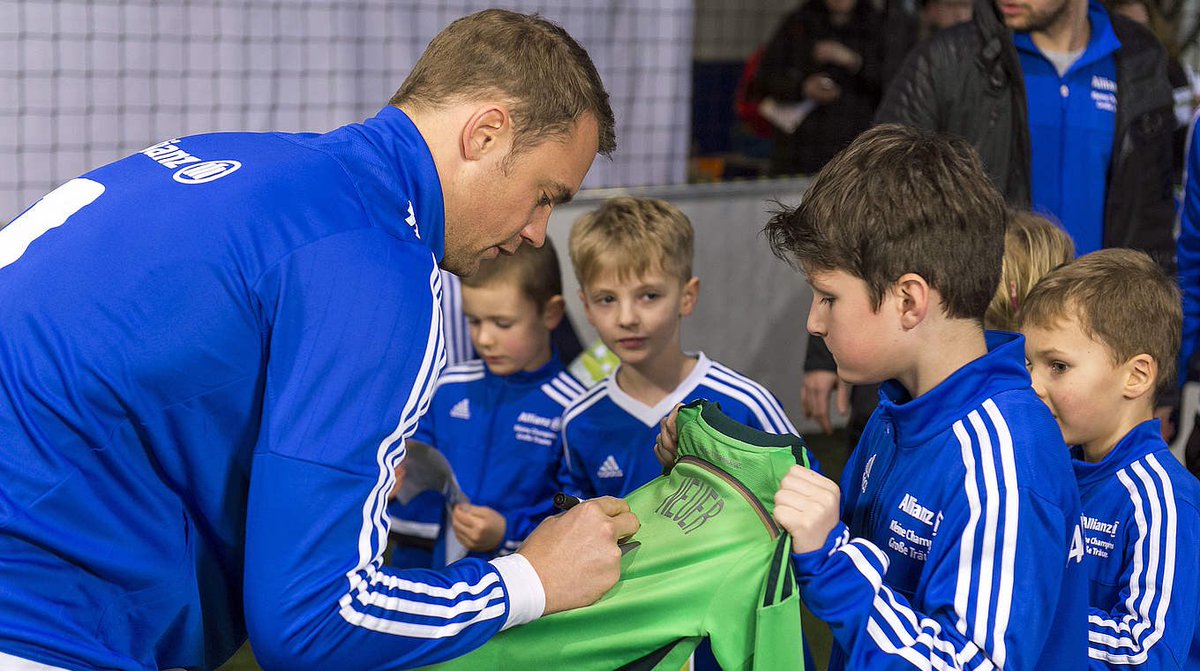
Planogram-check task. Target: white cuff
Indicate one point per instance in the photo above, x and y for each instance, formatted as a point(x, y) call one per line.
point(526, 596)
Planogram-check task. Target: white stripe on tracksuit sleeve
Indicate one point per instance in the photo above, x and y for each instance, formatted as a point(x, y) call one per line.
point(315, 588)
point(1153, 623)
point(973, 614)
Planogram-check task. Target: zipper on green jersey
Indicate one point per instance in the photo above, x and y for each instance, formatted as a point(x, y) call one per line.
point(763, 515)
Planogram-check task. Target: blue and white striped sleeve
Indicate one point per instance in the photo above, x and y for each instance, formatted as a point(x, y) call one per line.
point(1153, 622)
point(355, 345)
point(765, 410)
point(990, 583)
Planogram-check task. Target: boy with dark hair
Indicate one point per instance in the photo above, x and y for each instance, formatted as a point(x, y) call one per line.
point(633, 258)
point(958, 542)
point(1102, 334)
point(497, 418)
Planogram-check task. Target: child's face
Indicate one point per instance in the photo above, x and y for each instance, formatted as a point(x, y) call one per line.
point(638, 317)
point(863, 341)
point(507, 329)
point(1076, 377)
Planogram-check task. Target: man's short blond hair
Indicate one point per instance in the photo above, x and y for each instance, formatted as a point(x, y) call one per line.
point(632, 237)
point(1122, 299)
point(548, 79)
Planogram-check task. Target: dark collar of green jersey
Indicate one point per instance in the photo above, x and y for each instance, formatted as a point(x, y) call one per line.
point(758, 460)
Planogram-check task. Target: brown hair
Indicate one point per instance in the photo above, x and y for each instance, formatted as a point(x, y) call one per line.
point(632, 236)
point(546, 76)
point(533, 269)
point(1122, 299)
point(901, 200)
point(1033, 246)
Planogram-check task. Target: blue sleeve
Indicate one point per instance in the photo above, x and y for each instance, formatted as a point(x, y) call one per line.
point(355, 344)
point(1188, 254)
point(575, 478)
point(1153, 622)
point(522, 521)
point(986, 599)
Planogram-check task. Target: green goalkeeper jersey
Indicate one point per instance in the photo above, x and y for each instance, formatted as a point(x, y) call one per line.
point(711, 563)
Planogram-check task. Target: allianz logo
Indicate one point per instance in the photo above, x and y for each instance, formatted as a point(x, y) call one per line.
point(209, 171)
point(1103, 84)
point(190, 169)
point(554, 424)
point(1093, 524)
point(914, 509)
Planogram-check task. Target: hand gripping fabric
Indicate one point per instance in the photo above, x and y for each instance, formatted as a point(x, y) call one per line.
point(711, 563)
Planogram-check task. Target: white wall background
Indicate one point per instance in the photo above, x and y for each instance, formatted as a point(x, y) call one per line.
point(85, 82)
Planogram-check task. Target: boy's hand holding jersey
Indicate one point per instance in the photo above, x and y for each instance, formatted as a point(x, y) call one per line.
point(808, 506)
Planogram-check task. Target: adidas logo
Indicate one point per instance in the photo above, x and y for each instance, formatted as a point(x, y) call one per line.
point(610, 469)
point(461, 410)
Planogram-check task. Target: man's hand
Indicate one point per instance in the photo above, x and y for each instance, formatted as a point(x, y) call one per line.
point(821, 89)
point(807, 506)
point(575, 553)
point(832, 51)
point(667, 442)
point(478, 528)
point(814, 396)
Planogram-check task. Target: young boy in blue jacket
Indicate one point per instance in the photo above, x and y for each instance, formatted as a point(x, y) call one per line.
point(497, 418)
point(1101, 336)
point(953, 541)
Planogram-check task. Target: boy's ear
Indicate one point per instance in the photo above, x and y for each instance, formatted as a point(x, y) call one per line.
point(913, 295)
point(553, 311)
point(485, 131)
point(691, 293)
point(1141, 376)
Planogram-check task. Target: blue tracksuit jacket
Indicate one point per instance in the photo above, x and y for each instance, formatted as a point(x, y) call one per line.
point(501, 434)
point(959, 546)
point(1072, 125)
point(1188, 254)
point(608, 436)
point(211, 353)
point(1141, 518)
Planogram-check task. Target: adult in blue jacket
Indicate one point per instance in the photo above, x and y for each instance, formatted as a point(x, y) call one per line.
point(1188, 254)
point(214, 350)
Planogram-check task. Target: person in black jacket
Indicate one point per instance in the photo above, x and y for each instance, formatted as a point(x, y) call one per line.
point(968, 81)
point(822, 64)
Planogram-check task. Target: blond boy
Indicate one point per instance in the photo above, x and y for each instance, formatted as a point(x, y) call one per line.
point(1101, 336)
point(633, 259)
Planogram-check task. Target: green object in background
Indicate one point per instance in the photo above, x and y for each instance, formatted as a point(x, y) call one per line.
point(712, 563)
point(594, 364)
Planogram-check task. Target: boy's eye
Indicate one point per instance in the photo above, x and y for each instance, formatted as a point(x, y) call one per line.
point(503, 324)
point(544, 201)
point(472, 321)
point(604, 299)
point(827, 300)
point(1058, 367)
point(650, 295)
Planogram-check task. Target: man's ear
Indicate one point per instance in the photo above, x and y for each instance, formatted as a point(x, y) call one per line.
point(913, 296)
point(1141, 376)
point(488, 130)
point(690, 294)
point(553, 311)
